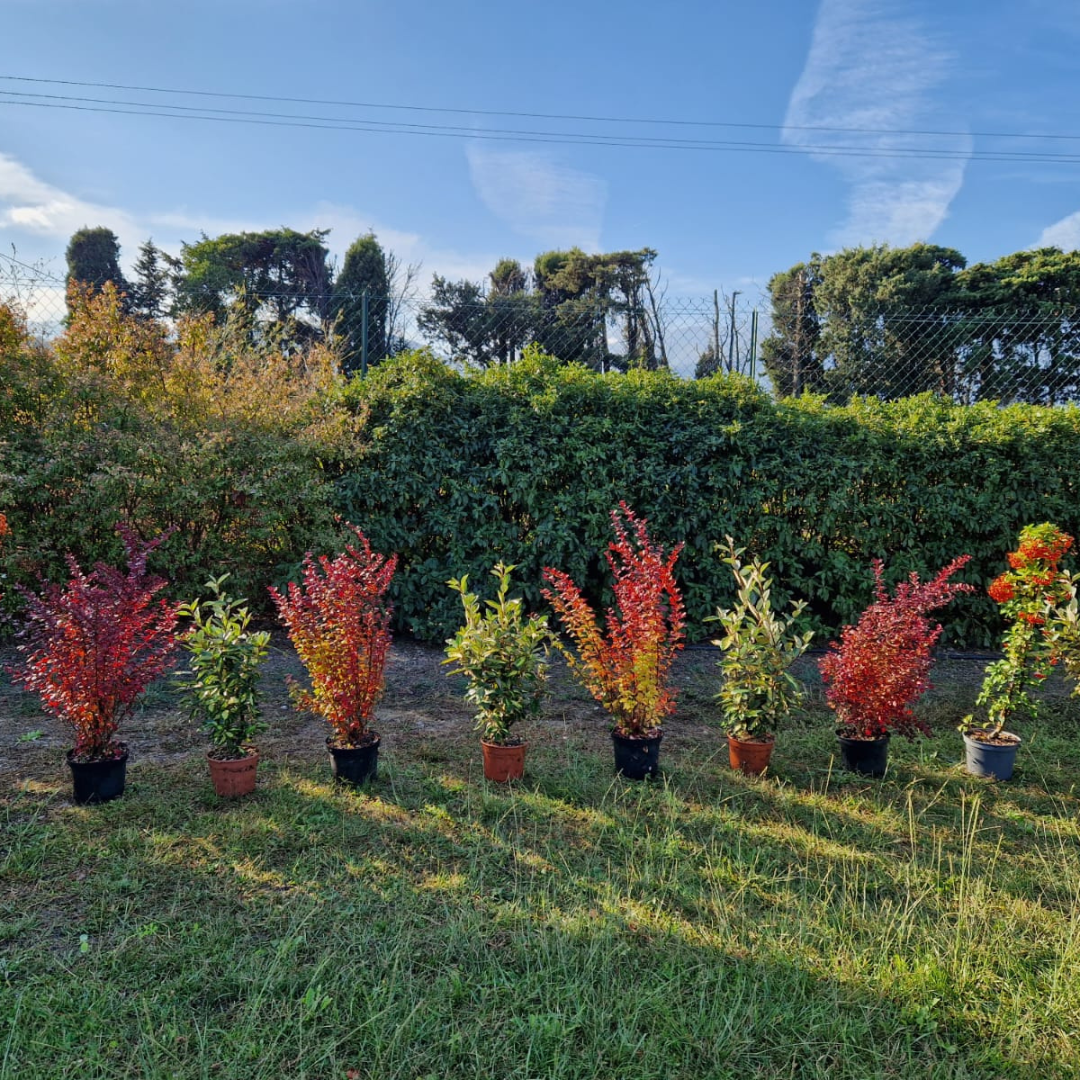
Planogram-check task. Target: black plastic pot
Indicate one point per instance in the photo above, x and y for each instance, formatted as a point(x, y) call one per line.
point(636, 758)
point(986, 759)
point(866, 756)
point(98, 781)
point(355, 764)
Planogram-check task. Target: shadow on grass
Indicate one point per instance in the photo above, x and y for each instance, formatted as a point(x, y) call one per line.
point(575, 925)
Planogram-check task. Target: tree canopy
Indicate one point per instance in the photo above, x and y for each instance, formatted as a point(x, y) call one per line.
point(93, 258)
point(363, 274)
point(890, 322)
point(593, 309)
point(280, 276)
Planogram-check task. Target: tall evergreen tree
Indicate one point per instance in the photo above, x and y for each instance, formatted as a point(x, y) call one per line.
point(280, 279)
point(156, 275)
point(363, 272)
point(1019, 327)
point(93, 258)
point(879, 321)
point(578, 292)
point(790, 354)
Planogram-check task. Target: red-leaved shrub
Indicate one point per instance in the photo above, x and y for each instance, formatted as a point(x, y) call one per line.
point(882, 664)
point(339, 624)
point(92, 646)
point(626, 669)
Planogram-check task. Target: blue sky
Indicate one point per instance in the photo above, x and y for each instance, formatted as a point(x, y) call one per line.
point(718, 218)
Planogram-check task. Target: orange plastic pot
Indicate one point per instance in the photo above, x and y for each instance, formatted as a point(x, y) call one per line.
point(502, 763)
point(750, 756)
point(234, 778)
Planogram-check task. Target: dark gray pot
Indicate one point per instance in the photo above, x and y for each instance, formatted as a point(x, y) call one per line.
point(866, 756)
point(355, 765)
point(636, 758)
point(98, 781)
point(985, 759)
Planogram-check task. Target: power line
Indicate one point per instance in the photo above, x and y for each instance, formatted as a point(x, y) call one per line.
point(545, 116)
point(560, 138)
point(399, 126)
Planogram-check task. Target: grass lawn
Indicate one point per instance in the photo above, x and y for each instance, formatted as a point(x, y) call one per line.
point(806, 924)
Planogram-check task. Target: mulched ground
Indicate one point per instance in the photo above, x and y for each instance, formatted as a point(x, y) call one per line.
point(422, 714)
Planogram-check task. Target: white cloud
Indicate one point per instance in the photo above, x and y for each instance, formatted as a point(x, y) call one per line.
point(539, 198)
point(39, 218)
point(1064, 234)
point(33, 206)
point(870, 67)
point(346, 224)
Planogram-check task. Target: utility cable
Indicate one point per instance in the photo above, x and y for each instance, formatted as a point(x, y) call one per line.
point(546, 116)
point(566, 139)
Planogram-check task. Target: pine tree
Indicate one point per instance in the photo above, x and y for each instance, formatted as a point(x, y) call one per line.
point(151, 293)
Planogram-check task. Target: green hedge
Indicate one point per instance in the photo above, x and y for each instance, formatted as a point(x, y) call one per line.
point(524, 464)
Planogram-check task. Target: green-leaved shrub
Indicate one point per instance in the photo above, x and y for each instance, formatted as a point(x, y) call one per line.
point(524, 464)
point(250, 452)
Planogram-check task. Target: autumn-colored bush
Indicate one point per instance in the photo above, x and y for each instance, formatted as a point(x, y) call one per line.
point(881, 665)
point(626, 666)
point(203, 429)
point(339, 623)
point(92, 646)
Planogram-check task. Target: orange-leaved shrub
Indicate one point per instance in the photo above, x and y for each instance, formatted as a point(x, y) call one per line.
point(1034, 586)
point(206, 430)
point(92, 646)
point(626, 666)
point(339, 623)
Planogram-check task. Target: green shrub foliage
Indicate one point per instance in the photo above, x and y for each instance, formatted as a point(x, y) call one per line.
point(249, 448)
point(524, 463)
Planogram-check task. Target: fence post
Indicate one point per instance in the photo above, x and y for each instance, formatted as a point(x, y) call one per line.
point(363, 333)
point(753, 344)
point(716, 327)
point(731, 341)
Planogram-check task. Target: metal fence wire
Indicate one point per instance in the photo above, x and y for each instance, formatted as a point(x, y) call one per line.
point(1023, 354)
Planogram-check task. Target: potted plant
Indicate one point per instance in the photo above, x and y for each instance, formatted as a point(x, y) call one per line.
point(1026, 593)
point(91, 648)
point(758, 647)
point(881, 666)
point(222, 685)
point(626, 666)
point(1063, 629)
point(338, 619)
point(503, 655)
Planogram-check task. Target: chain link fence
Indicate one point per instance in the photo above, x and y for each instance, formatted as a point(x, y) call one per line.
point(1010, 354)
point(1028, 354)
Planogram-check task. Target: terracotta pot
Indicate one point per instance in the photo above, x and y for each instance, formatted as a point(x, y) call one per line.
point(750, 756)
point(235, 777)
point(502, 763)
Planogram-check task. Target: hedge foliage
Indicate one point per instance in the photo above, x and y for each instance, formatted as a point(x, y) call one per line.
point(250, 452)
point(456, 471)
